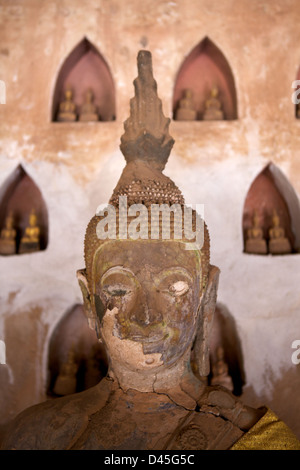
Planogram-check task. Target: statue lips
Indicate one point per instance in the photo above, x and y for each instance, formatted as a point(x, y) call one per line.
point(151, 339)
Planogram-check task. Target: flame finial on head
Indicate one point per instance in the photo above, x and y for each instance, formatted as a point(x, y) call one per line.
point(146, 134)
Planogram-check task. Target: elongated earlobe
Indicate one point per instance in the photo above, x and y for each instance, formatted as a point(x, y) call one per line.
point(84, 287)
point(205, 321)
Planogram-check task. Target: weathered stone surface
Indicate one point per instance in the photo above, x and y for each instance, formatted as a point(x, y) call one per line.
point(76, 164)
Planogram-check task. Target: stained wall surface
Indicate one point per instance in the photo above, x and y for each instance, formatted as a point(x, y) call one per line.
point(76, 166)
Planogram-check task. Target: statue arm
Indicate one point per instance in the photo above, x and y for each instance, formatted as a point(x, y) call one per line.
point(45, 426)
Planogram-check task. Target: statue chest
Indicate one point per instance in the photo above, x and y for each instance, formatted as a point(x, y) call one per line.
point(125, 425)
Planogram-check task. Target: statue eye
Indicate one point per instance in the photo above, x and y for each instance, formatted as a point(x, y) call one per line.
point(179, 288)
point(116, 291)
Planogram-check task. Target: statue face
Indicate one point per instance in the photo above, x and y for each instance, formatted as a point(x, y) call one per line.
point(146, 295)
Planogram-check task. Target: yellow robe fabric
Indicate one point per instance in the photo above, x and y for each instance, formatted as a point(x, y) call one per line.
point(269, 433)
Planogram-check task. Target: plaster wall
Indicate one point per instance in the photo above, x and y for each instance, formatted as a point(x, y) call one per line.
point(77, 165)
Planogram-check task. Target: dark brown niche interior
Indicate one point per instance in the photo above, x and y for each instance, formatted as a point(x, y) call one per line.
point(224, 334)
point(85, 68)
point(271, 190)
point(19, 195)
point(87, 364)
point(204, 68)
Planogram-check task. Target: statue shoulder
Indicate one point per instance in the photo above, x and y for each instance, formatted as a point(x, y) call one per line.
point(221, 402)
point(55, 424)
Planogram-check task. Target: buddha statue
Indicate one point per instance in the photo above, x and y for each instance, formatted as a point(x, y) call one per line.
point(66, 380)
point(255, 241)
point(151, 302)
point(213, 111)
point(30, 241)
point(88, 110)
point(278, 243)
point(67, 108)
point(220, 375)
point(186, 110)
point(8, 237)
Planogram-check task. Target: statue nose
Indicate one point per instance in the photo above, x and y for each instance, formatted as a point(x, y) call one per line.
point(147, 311)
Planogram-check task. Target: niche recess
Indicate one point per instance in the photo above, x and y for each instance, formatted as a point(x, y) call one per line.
point(204, 68)
point(224, 335)
point(88, 363)
point(85, 68)
point(271, 190)
point(19, 195)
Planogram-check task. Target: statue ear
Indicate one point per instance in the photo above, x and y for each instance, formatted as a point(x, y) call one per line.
point(205, 321)
point(83, 284)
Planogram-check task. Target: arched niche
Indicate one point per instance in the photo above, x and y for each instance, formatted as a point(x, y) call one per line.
point(20, 195)
point(75, 345)
point(224, 335)
point(204, 68)
point(85, 68)
point(271, 190)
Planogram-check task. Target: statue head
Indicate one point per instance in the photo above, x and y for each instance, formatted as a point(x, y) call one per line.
point(255, 219)
point(32, 218)
point(89, 95)
point(9, 221)
point(68, 93)
point(150, 298)
point(188, 93)
point(214, 91)
point(275, 219)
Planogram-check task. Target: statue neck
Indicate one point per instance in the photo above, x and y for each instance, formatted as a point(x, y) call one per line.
point(164, 380)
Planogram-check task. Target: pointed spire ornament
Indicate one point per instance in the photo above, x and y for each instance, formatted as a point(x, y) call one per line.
point(146, 134)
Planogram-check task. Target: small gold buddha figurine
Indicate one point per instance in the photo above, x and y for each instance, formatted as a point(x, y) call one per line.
point(278, 243)
point(186, 110)
point(66, 381)
point(30, 241)
point(8, 237)
point(88, 110)
point(213, 111)
point(256, 242)
point(67, 108)
point(220, 375)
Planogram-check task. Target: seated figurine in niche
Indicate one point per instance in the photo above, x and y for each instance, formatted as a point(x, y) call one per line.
point(66, 381)
point(67, 108)
point(220, 375)
point(213, 108)
point(8, 237)
point(278, 243)
point(255, 241)
point(30, 241)
point(150, 301)
point(186, 110)
point(88, 110)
